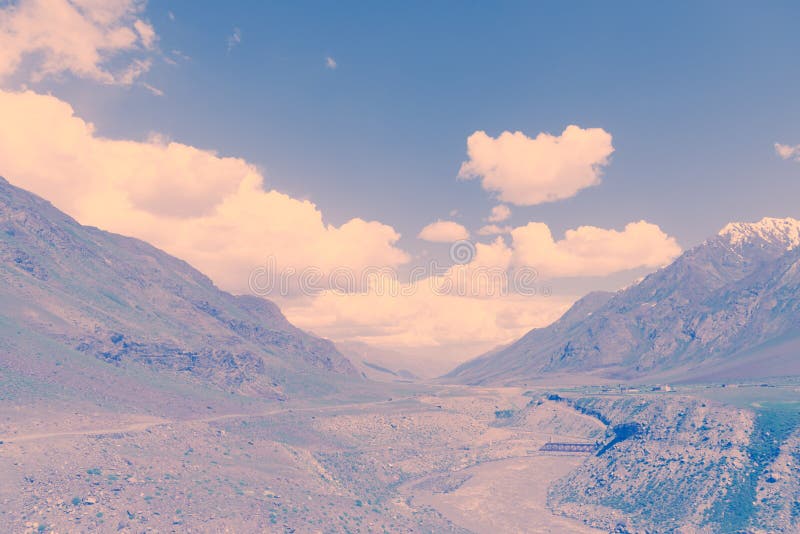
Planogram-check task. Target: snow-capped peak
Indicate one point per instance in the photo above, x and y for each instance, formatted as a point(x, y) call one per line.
point(782, 232)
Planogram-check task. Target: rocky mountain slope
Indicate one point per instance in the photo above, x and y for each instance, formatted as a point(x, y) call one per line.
point(679, 463)
point(726, 305)
point(68, 291)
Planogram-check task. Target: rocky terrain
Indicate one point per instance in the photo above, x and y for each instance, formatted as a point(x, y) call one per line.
point(426, 459)
point(672, 460)
point(69, 290)
point(320, 467)
point(729, 307)
point(689, 463)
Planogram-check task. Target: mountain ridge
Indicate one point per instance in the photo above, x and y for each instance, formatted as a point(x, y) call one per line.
point(769, 229)
point(733, 292)
point(123, 301)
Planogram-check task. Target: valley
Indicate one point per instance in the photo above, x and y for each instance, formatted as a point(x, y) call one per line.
point(325, 468)
point(399, 267)
point(433, 458)
point(136, 396)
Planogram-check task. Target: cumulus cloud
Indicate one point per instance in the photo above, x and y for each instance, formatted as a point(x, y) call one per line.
point(592, 251)
point(198, 205)
point(473, 307)
point(53, 37)
point(583, 251)
point(499, 214)
point(788, 151)
point(425, 317)
point(525, 171)
point(443, 232)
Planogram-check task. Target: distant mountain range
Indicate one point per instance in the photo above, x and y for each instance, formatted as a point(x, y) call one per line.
point(69, 292)
point(729, 307)
point(381, 364)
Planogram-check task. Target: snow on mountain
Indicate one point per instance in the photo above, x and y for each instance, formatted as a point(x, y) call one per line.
point(769, 230)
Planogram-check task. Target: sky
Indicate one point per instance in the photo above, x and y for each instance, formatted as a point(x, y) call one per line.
point(589, 143)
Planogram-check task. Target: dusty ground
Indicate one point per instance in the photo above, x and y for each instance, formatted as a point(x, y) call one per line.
point(287, 468)
point(504, 496)
point(431, 460)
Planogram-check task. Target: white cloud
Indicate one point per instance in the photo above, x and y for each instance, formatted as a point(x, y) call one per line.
point(235, 39)
point(155, 90)
point(525, 171)
point(464, 308)
point(146, 33)
point(52, 37)
point(443, 232)
point(583, 251)
point(469, 308)
point(788, 151)
point(205, 208)
point(499, 214)
point(493, 229)
point(425, 319)
point(592, 251)
point(330, 63)
point(134, 70)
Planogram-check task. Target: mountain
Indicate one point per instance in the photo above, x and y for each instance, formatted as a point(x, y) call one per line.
point(381, 364)
point(70, 294)
point(728, 307)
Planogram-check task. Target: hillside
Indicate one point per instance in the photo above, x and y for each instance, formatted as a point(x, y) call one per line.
point(73, 296)
point(731, 300)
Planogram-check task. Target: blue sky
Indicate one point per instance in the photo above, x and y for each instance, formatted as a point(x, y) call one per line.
point(694, 95)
